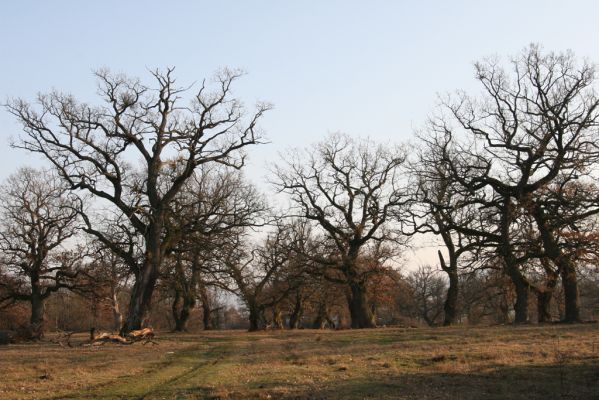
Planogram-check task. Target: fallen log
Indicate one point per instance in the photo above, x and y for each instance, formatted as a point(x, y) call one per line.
point(141, 334)
point(146, 335)
point(106, 337)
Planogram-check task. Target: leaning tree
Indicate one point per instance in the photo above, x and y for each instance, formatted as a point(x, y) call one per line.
point(351, 190)
point(95, 149)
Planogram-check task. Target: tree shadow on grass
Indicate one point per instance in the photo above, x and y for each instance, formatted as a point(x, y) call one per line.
point(531, 382)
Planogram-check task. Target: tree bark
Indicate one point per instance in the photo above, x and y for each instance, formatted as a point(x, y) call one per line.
point(206, 307)
point(321, 316)
point(296, 314)
point(571, 293)
point(207, 317)
point(451, 301)
point(254, 318)
point(522, 289)
point(141, 297)
point(545, 295)
point(182, 306)
point(521, 285)
point(564, 263)
point(359, 309)
point(544, 306)
point(145, 279)
point(36, 322)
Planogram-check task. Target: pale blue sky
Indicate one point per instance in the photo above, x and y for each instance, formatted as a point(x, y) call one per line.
point(360, 67)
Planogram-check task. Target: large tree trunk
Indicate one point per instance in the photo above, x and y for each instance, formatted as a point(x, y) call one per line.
point(451, 301)
point(145, 282)
point(522, 289)
point(36, 322)
point(254, 318)
point(182, 306)
point(571, 293)
point(141, 298)
point(545, 294)
point(544, 306)
point(207, 317)
point(564, 263)
point(521, 285)
point(141, 295)
point(359, 309)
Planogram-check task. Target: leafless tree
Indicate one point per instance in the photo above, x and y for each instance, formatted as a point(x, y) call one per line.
point(530, 126)
point(428, 289)
point(266, 275)
point(351, 190)
point(110, 280)
point(214, 204)
point(92, 148)
point(37, 219)
point(440, 205)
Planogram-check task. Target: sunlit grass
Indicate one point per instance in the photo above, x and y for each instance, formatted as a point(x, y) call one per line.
point(553, 361)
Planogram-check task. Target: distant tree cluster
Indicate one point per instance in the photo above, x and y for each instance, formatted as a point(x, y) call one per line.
point(144, 216)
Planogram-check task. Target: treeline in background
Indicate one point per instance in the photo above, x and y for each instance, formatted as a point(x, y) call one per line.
point(143, 216)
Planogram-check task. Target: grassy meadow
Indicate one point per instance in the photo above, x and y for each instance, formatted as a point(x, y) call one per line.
point(501, 362)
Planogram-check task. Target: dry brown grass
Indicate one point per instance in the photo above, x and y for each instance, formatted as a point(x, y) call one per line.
point(532, 362)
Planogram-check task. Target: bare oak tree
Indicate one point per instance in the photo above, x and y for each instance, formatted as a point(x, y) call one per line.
point(534, 122)
point(92, 148)
point(37, 218)
point(214, 204)
point(351, 190)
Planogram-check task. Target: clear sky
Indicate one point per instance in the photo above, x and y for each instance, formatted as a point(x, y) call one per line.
point(360, 67)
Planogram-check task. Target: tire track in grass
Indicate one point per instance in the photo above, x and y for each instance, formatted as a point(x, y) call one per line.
point(157, 378)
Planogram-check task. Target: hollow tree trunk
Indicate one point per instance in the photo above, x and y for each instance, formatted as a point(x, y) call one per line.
point(359, 309)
